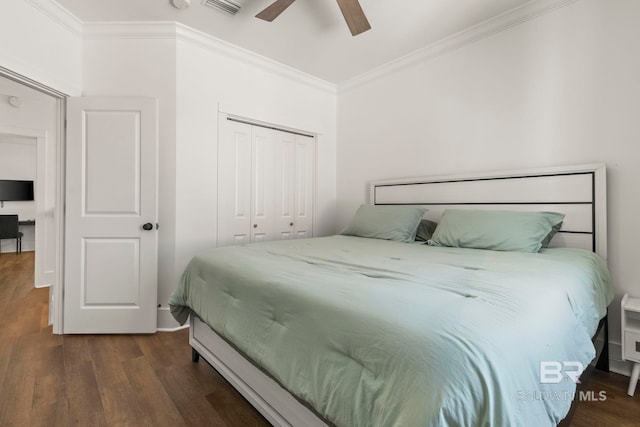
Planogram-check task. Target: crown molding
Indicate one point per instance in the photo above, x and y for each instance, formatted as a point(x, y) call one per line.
point(107, 30)
point(59, 14)
point(172, 31)
point(177, 31)
point(230, 50)
point(180, 32)
point(491, 26)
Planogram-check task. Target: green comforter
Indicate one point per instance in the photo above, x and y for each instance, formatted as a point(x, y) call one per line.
point(378, 333)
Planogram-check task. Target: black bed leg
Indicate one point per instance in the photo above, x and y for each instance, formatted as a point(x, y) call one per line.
point(603, 361)
point(195, 356)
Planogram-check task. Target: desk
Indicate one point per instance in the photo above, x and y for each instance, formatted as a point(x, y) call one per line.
point(27, 222)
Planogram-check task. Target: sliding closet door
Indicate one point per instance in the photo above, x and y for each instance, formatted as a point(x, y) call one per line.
point(294, 186)
point(262, 140)
point(304, 186)
point(284, 189)
point(265, 184)
point(234, 184)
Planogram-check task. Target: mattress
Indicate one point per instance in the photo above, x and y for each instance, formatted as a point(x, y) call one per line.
point(370, 332)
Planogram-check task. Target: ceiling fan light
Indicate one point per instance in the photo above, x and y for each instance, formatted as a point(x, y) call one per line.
point(228, 6)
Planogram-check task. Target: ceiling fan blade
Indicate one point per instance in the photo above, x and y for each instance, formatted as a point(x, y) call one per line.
point(355, 17)
point(274, 10)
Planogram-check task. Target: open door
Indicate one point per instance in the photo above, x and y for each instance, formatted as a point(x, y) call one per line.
point(110, 275)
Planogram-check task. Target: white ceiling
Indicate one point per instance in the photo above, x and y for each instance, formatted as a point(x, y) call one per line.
point(311, 35)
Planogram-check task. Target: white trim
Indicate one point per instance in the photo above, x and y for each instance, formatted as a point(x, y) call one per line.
point(36, 76)
point(57, 293)
point(251, 58)
point(179, 32)
point(267, 118)
point(59, 14)
point(487, 28)
point(30, 83)
point(24, 132)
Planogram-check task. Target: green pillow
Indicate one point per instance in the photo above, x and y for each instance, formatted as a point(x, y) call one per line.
point(388, 222)
point(425, 230)
point(496, 230)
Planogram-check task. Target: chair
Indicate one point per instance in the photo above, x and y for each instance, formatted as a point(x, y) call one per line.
point(9, 230)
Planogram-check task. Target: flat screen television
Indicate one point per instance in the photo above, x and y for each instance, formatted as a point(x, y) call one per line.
point(12, 191)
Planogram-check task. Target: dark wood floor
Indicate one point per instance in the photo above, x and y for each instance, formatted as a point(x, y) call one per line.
point(149, 380)
point(100, 380)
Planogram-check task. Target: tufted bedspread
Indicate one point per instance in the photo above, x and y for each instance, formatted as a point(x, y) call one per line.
point(378, 333)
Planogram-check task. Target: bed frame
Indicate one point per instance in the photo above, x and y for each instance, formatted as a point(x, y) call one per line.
point(577, 191)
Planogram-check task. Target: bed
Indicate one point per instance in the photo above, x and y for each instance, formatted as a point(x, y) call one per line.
point(349, 330)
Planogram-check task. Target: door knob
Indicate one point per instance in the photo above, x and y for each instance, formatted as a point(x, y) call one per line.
point(148, 226)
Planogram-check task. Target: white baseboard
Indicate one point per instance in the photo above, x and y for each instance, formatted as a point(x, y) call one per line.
point(166, 322)
point(28, 246)
point(49, 277)
point(8, 247)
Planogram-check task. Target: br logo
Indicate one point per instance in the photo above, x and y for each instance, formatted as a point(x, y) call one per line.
point(552, 372)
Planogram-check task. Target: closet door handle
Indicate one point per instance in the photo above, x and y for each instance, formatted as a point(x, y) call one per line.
point(291, 224)
point(255, 225)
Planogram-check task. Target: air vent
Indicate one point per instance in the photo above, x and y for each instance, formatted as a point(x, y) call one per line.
point(226, 5)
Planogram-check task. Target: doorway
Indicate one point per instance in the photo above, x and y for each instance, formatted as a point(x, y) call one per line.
point(31, 133)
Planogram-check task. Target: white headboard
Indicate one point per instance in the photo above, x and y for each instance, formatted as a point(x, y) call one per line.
point(577, 191)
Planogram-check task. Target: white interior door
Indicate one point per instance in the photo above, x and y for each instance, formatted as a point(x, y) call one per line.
point(111, 213)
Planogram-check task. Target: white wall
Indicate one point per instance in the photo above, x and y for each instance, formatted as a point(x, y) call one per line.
point(41, 41)
point(210, 79)
point(17, 157)
point(556, 90)
point(133, 59)
point(191, 77)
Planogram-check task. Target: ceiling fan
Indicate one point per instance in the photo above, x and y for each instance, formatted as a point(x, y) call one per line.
point(351, 10)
